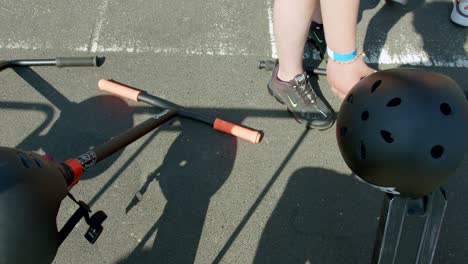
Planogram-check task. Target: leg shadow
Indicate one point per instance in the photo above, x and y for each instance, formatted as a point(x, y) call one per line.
point(195, 167)
point(443, 42)
point(381, 24)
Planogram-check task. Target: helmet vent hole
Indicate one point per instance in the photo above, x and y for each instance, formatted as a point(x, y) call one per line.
point(365, 115)
point(437, 151)
point(350, 99)
point(24, 160)
point(38, 162)
point(387, 136)
point(375, 86)
point(445, 109)
point(343, 131)
point(363, 150)
point(394, 102)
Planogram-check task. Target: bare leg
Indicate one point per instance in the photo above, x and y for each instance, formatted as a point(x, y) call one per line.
point(340, 23)
point(292, 21)
point(340, 20)
point(317, 16)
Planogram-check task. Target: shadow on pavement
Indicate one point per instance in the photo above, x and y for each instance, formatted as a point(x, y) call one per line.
point(322, 217)
point(454, 233)
point(443, 41)
point(260, 198)
point(79, 125)
point(327, 217)
point(436, 38)
point(382, 23)
point(197, 164)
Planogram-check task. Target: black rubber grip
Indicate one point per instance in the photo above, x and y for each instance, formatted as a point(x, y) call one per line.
point(268, 65)
point(320, 71)
point(4, 64)
point(76, 61)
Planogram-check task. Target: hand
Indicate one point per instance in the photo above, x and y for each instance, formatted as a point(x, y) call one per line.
point(342, 77)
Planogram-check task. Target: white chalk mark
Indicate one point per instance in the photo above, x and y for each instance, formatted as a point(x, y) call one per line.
point(274, 53)
point(99, 22)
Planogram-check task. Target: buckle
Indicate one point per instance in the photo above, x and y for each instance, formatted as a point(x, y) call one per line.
point(300, 79)
point(94, 222)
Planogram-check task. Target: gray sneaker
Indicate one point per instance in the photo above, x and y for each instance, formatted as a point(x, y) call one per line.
point(301, 100)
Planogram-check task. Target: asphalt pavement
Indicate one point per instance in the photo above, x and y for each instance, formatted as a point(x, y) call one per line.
point(186, 193)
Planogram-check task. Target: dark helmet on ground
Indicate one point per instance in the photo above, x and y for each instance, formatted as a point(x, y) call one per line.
point(404, 130)
point(31, 191)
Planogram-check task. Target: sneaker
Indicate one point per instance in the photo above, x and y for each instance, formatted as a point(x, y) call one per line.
point(301, 100)
point(316, 36)
point(460, 12)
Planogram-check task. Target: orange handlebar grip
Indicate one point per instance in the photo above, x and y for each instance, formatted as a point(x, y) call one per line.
point(77, 170)
point(238, 131)
point(119, 89)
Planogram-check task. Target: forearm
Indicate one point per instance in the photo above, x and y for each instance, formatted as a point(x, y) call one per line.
point(340, 23)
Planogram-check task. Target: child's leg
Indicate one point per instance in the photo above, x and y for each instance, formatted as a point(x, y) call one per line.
point(292, 19)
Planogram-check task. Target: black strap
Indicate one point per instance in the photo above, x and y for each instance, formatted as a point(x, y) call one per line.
point(94, 222)
point(82, 211)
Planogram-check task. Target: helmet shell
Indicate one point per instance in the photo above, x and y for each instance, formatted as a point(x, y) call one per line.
point(404, 130)
point(31, 191)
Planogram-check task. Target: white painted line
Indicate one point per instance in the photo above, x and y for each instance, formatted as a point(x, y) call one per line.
point(82, 48)
point(274, 53)
point(8, 10)
point(409, 54)
point(24, 45)
point(129, 48)
point(415, 58)
point(97, 29)
point(385, 57)
point(210, 51)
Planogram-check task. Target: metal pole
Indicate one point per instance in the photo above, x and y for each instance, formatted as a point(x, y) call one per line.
point(396, 213)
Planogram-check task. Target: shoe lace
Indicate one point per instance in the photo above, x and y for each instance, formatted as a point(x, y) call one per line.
point(305, 90)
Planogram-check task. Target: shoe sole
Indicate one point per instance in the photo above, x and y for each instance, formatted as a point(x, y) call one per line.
point(295, 118)
point(458, 18)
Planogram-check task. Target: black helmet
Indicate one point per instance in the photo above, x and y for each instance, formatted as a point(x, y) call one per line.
point(31, 190)
point(404, 130)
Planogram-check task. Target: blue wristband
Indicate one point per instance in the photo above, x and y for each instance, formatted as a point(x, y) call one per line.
point(341, 57)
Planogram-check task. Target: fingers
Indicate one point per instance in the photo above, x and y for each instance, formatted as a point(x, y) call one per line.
point(343, 77)
point(343, 93)
point(367, 71)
